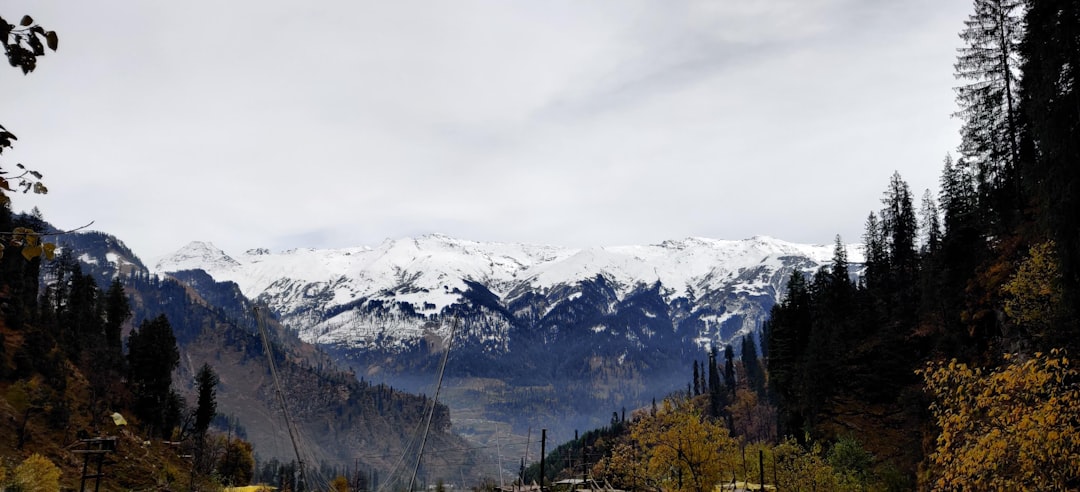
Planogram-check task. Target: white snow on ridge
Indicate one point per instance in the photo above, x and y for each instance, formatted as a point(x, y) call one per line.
point(431, 271)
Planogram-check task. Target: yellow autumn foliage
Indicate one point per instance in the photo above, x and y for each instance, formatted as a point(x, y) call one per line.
point(1032, 296)
point(1011, 428)
point(36, 474)
point(675, 449)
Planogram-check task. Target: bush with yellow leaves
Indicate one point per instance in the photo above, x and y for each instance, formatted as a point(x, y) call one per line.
point(36, 474)
point(1010, 428)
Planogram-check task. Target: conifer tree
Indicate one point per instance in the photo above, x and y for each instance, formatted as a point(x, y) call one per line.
point(1051, 102)
point(206, 382)
point(697, 379)
point(931, 225)
point(877, 256)
point(755, 378)
point(152, 356)
point(715, 388)
point(991, 131)
point(117, 311)
point(729, 368)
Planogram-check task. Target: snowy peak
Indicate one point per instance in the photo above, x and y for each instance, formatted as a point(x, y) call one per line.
point(196, 255)
point(345, 293)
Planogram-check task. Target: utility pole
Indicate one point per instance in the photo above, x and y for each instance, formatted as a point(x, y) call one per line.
point(543, 454)
point(498, 451)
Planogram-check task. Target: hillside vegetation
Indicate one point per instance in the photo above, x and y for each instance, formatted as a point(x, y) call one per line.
point(947, 365)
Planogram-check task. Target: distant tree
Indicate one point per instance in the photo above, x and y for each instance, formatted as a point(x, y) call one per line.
point(900, 228)
point(697, 379)
point(675, 449)
point(117, 312)
point(752, 418)
point(237, 464)
point(729, 368)
point(877, 255)
point(754, 375)
point(152, 356)
point(930, 224)
point(341, 484)
point(716, 398)
point(206, 382)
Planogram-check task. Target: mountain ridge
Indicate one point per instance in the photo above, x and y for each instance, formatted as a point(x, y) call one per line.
point(431, 273)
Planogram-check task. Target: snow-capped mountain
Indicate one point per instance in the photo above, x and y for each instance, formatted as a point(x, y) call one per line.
point(612, 325)
point(325, 294)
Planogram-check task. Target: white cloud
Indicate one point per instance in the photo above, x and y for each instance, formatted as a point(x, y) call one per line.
point(287, 124)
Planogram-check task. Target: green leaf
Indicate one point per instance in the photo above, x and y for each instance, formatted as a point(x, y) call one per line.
point(40, 189)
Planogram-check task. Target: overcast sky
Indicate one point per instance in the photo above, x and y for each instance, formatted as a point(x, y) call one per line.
point(578, 123)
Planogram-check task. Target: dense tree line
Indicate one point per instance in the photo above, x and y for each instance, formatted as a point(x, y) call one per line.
point(942, 358)
point(989, 268)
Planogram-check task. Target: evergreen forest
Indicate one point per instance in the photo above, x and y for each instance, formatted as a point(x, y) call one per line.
point(941, 363)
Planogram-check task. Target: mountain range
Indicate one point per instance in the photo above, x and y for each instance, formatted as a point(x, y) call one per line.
point(542, 336)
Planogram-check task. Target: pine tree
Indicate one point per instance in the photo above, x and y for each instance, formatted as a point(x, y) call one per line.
point(716, 397)
point(755, 378)
point(152, 356)
point(697, 379)
point(1051, 103)
point(729, 368)
point(930, 225)
point(991, 131)
point(206, 382)
point(877, 256)
point(117, 311)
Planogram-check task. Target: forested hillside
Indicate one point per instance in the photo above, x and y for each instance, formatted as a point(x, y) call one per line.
point(947, 365)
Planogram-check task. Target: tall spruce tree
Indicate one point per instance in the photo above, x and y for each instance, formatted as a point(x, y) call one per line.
point(152, 356)
point(990, 136)
point(755, 377)
point(206, 382)
point(729, 368)
point(697, 379)
point(1051, 102)
point(789, 331)
point(716, 398)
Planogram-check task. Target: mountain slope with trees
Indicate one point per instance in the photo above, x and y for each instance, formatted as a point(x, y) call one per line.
point(947, 366)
